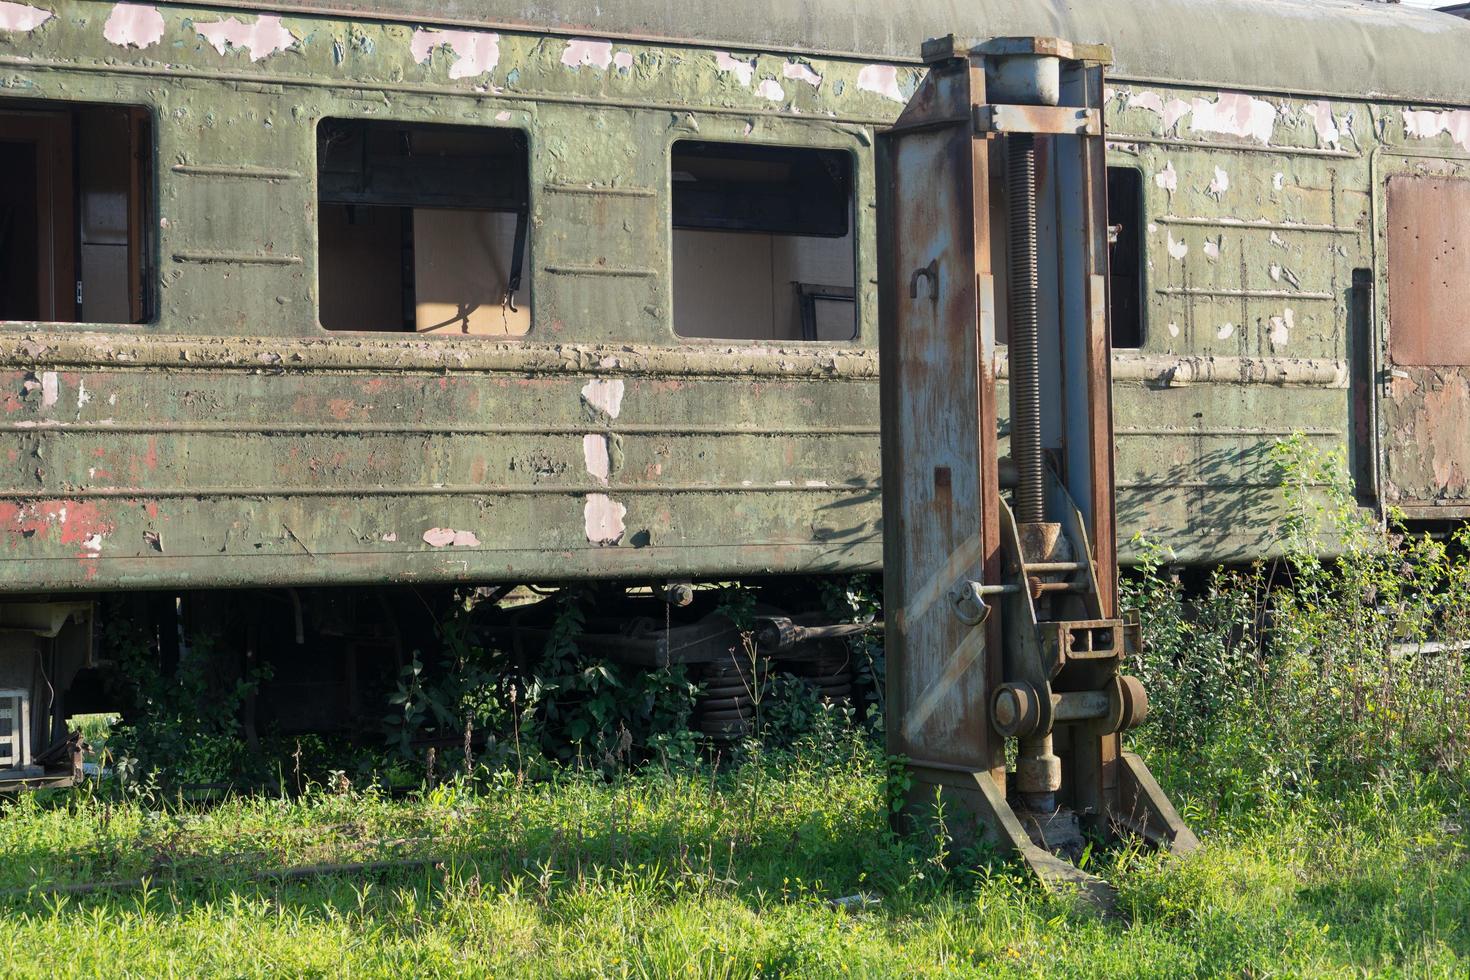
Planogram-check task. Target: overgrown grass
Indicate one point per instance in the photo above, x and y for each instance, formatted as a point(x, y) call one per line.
point(1312, 721)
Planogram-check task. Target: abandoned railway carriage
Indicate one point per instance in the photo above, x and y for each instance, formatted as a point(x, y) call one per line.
point(354, 292)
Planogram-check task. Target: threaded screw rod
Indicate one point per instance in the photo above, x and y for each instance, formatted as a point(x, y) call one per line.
point(1025, 380)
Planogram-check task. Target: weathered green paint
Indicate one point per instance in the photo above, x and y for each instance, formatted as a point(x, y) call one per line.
point(235, 442)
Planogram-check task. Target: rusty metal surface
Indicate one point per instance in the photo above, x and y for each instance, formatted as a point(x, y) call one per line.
point(941, 502)
point(1426, 399)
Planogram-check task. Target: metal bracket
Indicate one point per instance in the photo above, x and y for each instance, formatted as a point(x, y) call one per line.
point(1065, 120)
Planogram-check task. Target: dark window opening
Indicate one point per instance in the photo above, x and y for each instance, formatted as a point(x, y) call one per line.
point(1125, 256)
point(75, 203)
point(422, 228)
point(763, 242)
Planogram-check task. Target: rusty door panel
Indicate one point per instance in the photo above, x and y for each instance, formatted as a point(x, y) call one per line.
point(940, 513)
point(1427, 426)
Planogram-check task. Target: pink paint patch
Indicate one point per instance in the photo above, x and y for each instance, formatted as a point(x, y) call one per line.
point(476, 53)
point(605, 396)
point(743, 70)
point(800, 72)
point(595, 455)
point(134, 24)
point(261, 39)
point(770, 89)
point(1423, 124)
point(19, 17)
point(880, 80)
point(623, 60)
point(1320, 113)
point(448, 537)
point(603, 517)
point(1237, 114)
point(582, 53)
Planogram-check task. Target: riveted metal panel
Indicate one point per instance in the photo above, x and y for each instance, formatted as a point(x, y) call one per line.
point(1428, 271)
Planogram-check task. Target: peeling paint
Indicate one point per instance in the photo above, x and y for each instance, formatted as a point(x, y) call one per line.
point(20, 17)
point(134, 24)
point(83, 395)
point(1219, 184)
point(1173, 330)
point(1423, 124)
point(1274, 272)
point(1212, 248)
point(1225, 331)
point(1168, 178)
point(1235, 114)
point(801, 72)
point(1169, 112)
point(623, 60)
point(743, 70)
point(1277, 240)
point(1281, 327)
point(447, 537)
point(50, 389)
point(587, 53)
point(1278, 180)
point(605, 396)
point(261, 39)
point(880, 80)
point(476, 53)
point(1328, 134)
point(603, 518)
point(770, 89)
point(595, 456)
point(1177, 250)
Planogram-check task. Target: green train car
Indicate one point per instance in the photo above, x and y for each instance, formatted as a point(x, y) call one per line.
point(388, 292)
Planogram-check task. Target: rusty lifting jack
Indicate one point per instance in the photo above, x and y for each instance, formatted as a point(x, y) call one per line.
point(1002, 618)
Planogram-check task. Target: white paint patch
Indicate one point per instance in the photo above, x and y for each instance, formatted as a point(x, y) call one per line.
point(1274, 272)
point(135, 24)
point(50, 389)
point(1423, 124)
point(261, 39)
point(390, 537)
point(83, 395)
point(594, 454)
point(1225, 331)
point(881, 80)
point(801, 72)
point(603, 517)
point(1235, 114)
point(92, 543)
point(19, 17)
point(623, 60)
point(743, 70)
point(503, 115)
point(1153, 229)
point(1219, 185)
point(1281, 328)
point(1277, 240)
point(476, 53)
point(1177, 250)
point(1173, 330)
point(585, 53)
point(609, 362)
point(1168, 178)
point(448, 537)
point(1169, 112)
point(1278, 180)
point(1328, 135)
point(605, 396)
point(770, 89)
point(1212, 248)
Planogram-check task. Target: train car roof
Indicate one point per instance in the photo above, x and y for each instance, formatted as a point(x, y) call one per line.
point(1341, 47)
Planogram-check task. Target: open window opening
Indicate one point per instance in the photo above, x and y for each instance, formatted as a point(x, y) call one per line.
point(1125, 257)
point(763, 242)
point(423, 228)
point(74, 207)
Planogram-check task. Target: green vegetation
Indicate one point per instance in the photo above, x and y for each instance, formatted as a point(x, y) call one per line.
point(1312, 720)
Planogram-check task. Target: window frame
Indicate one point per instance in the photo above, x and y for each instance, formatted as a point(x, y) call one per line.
point(527, 293)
